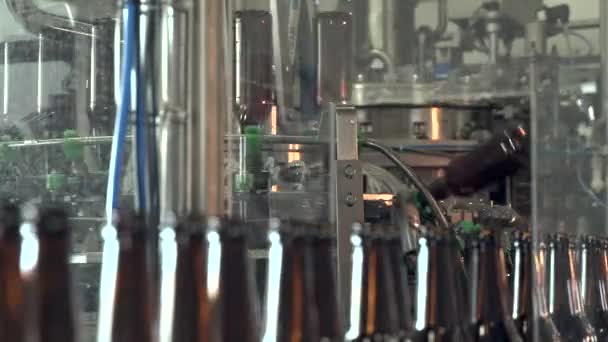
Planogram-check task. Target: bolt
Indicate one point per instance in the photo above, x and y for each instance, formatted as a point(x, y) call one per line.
point(349, 171)
point(350, 199)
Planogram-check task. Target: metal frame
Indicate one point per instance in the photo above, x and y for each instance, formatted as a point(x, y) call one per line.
point(348, 186)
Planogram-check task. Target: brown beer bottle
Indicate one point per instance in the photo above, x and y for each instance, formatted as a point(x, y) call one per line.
point(441, 307)
point(565, 302)
point(488, 284)
point(326, 284)
point(297, 309)
point(377, 307)
point(400, 276)
point(593, 285)
point(192, 307)
point(239, 303)
point(133, 317)
point(11, 283)
point(521, 283)
point(56, 317)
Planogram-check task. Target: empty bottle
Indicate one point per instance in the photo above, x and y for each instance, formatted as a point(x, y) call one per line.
point(593, 285)
point(491, 304)
point(521, 283)
point(133, 314)
point(55, 305)
point(565, 303)
point(326, 285)
point(400, 276)
point(298, 307)
point(545, 326)
point(254, 81)
point(441, 299)
point(374, 297)
point(239, 303)
point(11, 282)
point(192, 308)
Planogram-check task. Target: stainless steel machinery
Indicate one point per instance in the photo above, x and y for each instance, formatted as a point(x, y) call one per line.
point(415, 146)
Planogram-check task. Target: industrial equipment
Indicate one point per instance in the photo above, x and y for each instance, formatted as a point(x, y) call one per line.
point(302, 170)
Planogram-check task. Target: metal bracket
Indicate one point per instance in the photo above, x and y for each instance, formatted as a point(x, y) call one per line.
point(348, 200)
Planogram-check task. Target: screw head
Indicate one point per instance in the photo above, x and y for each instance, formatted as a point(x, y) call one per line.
point(350, 199)
point(349, 171)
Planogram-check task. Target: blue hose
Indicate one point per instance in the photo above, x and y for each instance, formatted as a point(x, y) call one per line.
point(120, 127)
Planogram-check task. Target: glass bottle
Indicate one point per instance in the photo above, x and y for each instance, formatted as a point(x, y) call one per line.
point(565, 303)
point(192, 306)
point(132, 318)
point(326, 285)
point(239, 320)
point(441, 298)
point(402, 287)
point(490, 311)
point(593, 285)
point(545, 326)
point(373, 306)
point(55, 305)
point(297, 309)
point(11, 282)
point(521, 282)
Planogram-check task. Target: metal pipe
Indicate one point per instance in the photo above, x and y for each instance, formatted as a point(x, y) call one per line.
point(442, 19)
point(604, 71)
point(418, 183)
point(210, 103)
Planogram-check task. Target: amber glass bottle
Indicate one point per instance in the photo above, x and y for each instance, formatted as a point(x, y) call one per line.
point(11, 283)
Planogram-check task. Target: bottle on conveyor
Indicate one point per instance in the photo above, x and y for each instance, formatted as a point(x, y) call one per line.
point(12, 309)
point(565, 302)
point(299, 318)
point(56, 318)
point(240, 315)
point(326, 285)
point(133, 317)
point(546, 327)
point(193, 307)
point(441, 298)
point(521, 283)
point(376, 304)
point(593, 284)
point(400, 276)
point(489, 293)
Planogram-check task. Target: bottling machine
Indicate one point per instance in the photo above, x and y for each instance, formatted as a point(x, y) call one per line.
point(304, 170)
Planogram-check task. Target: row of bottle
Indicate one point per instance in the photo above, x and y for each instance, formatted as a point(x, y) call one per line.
point(469, 289)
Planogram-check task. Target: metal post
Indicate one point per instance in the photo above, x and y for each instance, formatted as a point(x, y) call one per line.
point(604, 69)
point(349, 194)
point(534, 168)
point(210, 72)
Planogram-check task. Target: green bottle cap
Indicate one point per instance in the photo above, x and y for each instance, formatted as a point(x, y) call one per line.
point(55, 181)
point(468, 227)
point(72, 149)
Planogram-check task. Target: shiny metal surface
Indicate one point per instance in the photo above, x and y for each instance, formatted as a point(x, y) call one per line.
point(210, 102)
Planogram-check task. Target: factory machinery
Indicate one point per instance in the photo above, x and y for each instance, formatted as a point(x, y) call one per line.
point(370, 170)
